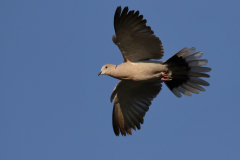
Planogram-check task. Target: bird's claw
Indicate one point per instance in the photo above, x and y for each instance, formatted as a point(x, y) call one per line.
point(165, 77)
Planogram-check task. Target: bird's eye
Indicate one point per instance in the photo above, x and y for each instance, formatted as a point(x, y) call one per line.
point(106, 67)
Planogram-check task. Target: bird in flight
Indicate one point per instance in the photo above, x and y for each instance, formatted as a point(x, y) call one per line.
point(141, 75)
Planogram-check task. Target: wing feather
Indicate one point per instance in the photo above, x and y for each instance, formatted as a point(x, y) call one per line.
point(135, 40)
point(131, 102)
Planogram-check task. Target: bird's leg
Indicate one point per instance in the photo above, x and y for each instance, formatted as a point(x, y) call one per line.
point(165, 77)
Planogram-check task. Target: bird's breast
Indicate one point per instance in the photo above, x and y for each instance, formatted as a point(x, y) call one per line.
point(140, 71)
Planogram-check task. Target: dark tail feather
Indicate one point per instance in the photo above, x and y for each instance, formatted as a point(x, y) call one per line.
point(186, 68)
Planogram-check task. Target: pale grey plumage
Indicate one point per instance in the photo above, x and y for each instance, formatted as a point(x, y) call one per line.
point(140, 77)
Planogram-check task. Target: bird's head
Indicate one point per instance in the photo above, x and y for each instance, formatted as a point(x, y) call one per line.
point(106, 69)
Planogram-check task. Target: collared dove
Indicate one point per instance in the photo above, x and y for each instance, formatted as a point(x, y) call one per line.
point(141, 77)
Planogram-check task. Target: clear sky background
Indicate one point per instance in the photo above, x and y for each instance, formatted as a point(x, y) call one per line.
point(54, 106)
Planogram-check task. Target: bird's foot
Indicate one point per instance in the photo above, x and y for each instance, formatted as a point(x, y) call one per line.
point(165, 77)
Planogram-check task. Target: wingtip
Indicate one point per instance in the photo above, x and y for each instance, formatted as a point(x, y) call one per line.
point(119, 8)
point(125, 9)
point(120, 11)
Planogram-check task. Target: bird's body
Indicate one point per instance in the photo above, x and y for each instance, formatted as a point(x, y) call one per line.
point(139, 71)
point(141, 75)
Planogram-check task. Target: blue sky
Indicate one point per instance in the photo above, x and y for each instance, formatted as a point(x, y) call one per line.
point(54, 106)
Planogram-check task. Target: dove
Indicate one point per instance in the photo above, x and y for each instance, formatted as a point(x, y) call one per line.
point(141, 74)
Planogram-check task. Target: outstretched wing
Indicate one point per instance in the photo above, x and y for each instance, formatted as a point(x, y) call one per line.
point(131, 102)
point(135, 40)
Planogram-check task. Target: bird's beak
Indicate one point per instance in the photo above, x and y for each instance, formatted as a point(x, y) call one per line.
point(99, 73)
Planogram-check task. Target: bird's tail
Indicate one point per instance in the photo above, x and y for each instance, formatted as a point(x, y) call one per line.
point(185, 68)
